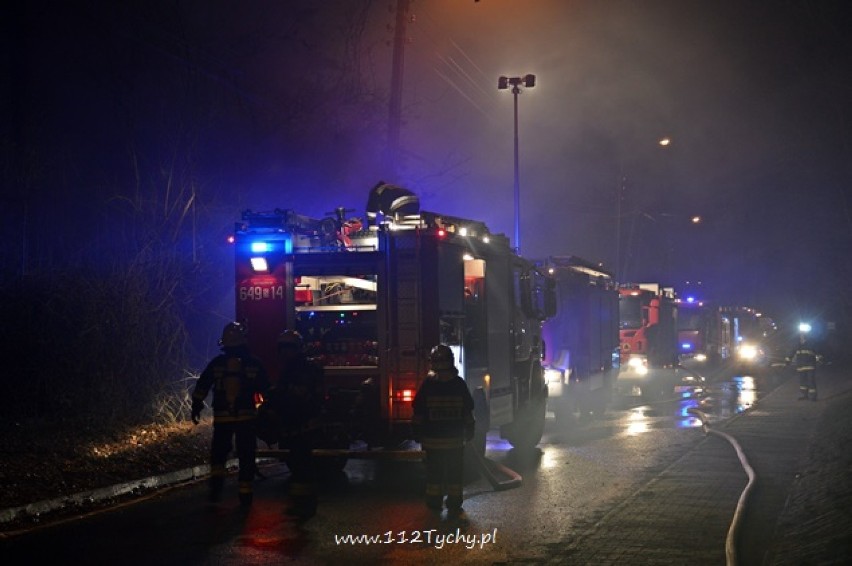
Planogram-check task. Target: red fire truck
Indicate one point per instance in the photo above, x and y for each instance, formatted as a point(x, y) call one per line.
point(582, 354)
point(704, 334)
point(648, 336)
point(371, 303)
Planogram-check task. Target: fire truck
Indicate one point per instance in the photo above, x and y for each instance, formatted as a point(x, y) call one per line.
point(648, 337)
point(704, 334)
point(582, 355)
point(372, 302)
point(754, 337)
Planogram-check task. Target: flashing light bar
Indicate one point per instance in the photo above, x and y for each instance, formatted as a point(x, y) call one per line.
point(686, 346)
point(263, 247)
point(804, 327)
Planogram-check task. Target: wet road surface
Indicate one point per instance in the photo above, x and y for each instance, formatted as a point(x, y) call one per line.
point(373, 511)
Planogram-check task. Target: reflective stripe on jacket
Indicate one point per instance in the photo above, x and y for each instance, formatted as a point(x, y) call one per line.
point(234, 378)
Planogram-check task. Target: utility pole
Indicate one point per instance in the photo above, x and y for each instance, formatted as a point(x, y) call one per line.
point(622, 185)
point(397, 71)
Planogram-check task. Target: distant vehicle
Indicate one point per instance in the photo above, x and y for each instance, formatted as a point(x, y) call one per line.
point(648, 337)
point(582, 346)
point(704, 335)
point(755, 339)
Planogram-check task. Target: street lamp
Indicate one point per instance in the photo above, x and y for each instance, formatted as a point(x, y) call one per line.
point(502, 84)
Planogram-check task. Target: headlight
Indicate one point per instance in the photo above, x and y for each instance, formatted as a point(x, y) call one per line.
point(748, 352)
point(639, 365)
point(700, 357)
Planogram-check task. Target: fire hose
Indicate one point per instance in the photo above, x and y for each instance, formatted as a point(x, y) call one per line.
point(733, 529)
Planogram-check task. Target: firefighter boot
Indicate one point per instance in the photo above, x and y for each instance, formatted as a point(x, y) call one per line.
point(456, 514)
point(804, 394)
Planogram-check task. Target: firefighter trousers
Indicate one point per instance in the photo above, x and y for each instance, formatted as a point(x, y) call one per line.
point(444, 476)
point(223, 435)
point(807, 384)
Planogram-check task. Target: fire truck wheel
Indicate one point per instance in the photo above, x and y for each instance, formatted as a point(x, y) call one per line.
point(482, 414)
point(601, 399)
point(531, 425)
point(527, 429)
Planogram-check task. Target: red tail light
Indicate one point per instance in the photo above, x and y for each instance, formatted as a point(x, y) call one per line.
point(405, 395)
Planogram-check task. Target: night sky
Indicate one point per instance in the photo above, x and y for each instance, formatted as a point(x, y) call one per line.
point(114, 105)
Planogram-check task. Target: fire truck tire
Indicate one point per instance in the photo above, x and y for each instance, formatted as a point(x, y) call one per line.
point(525, 433)
point(601, 399)
point(475, 449)
point(482, 414)
point(566, 407)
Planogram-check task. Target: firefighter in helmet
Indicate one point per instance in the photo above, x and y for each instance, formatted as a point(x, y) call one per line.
point(443, 421)
point(236, 378)
point(390, 201)
point(296, 405)
point(805, 360)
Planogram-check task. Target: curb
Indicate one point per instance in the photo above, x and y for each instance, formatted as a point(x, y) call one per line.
point(33, 511)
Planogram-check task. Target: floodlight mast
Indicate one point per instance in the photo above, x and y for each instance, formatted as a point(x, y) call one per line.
point(502, 84)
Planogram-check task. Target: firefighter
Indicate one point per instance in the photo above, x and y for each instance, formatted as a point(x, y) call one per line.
point(392, 201)
point(443, 421)
point(236, 378)
point(805, 360)
point(296, 401)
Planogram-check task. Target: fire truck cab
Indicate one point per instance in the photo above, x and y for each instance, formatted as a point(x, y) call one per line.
point(372, 302)
point(648, 336)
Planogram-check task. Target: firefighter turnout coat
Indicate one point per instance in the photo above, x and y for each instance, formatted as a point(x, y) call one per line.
point(235, 378)
point(443, 411)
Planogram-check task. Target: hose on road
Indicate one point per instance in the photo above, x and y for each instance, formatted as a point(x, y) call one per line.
point(733, 529)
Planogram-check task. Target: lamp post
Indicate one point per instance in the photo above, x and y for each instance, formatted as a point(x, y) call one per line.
point(502, 84)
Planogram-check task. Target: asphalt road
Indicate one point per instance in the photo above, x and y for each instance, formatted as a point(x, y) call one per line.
point(579, 475)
